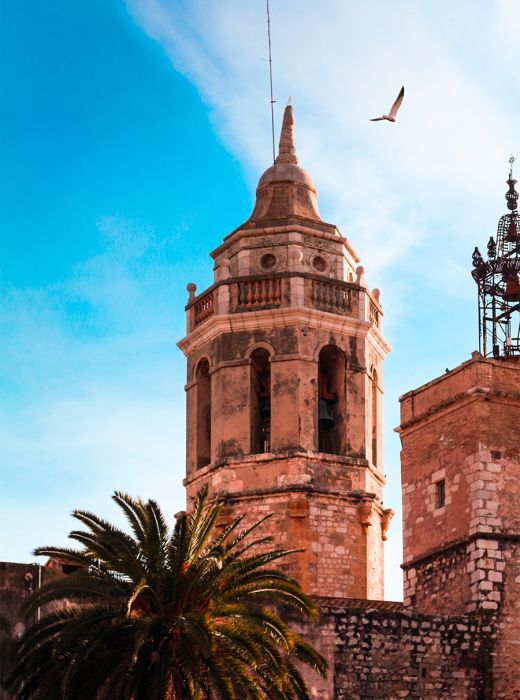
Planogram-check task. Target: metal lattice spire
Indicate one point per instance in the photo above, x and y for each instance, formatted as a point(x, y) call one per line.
point(498, 281)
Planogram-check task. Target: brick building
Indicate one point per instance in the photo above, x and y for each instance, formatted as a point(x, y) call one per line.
point(285, 359)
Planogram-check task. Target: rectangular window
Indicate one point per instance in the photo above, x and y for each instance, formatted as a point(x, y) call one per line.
point(440, 494)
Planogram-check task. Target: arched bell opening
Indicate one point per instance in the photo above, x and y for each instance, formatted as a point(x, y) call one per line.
point(374, 417)
point(260, 402)
point(203, 394)
point(331, 400)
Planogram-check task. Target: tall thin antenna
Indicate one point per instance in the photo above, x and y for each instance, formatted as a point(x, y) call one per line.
point(270, 75)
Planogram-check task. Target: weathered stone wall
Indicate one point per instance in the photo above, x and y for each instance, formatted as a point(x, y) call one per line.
point(463, 556)
point(342, 541)
point(328, 505)
point(380, 651)
point(463, 429)
point(506, 666)
point(293, 353)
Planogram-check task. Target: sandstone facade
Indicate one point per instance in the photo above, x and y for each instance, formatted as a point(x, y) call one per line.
point(284, 389)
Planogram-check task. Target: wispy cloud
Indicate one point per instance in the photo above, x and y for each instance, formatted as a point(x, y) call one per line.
point(342, 67)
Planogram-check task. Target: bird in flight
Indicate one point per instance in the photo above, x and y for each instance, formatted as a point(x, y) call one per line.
point(391, 117)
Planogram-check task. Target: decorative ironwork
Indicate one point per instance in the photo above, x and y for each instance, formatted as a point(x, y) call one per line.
point(203, 308)
point(498, 281)
point(259, 294)
point(330, 296)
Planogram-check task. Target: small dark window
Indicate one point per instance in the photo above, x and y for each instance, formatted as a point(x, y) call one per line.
point(319, 264)
point(268, 261)
point(440, 494)
point(424, 672)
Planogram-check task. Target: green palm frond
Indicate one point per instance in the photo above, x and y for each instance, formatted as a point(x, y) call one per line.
point(187, 613)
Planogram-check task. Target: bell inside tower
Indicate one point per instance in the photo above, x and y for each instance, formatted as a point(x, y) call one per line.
point(260, 402)
point(203, 382)
point(331, 400)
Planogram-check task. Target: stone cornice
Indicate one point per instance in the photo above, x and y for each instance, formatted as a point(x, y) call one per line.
point(473, 393)
point(244, 232)
point(354, 496)
point(433, 554)
point(280, 318)
point(270, 457)
point(476, 358)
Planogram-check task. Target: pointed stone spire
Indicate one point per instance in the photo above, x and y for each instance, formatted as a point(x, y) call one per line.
point(285, 190)
point(286, 150)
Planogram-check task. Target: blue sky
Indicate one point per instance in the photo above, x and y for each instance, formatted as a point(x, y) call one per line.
point(132, 137)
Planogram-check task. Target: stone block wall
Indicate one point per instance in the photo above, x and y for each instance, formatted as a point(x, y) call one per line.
point(341, 536)
point(506, 665)
point(379, 651)
point(462, 431)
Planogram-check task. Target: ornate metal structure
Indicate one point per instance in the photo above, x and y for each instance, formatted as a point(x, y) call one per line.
point(498, 281)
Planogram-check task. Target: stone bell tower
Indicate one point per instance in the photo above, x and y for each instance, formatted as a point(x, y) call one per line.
point(284, 390)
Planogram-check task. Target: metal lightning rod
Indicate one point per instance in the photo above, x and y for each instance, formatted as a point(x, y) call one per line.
point(270, 75)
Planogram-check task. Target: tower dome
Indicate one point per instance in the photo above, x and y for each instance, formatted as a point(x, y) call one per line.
point(286, 189)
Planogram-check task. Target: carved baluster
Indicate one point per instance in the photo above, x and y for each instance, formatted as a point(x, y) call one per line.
point(249, 297)
point(328, 295)
point(270, 292)
point(336, 298)
point(277, 295)
point(316, 293)
point(263, 296)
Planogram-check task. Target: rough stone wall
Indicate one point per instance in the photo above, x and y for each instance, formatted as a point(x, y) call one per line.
point(329, 528)
point(506, 666)
point(378, 650)
point(436, 583)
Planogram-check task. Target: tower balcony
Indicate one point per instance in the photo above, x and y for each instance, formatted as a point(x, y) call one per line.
point(281, 291)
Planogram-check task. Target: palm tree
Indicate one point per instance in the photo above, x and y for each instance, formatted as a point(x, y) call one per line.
point(184, 615)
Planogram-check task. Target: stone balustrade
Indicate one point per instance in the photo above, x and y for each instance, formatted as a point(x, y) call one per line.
point(241, 295)
point(373, 314)
point(331, 296)
point(259, 294)
point(203, 309)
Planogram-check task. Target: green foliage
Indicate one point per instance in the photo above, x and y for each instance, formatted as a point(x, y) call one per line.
point(182, 615)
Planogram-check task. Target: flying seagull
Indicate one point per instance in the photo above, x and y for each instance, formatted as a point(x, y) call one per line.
point(391, 117)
